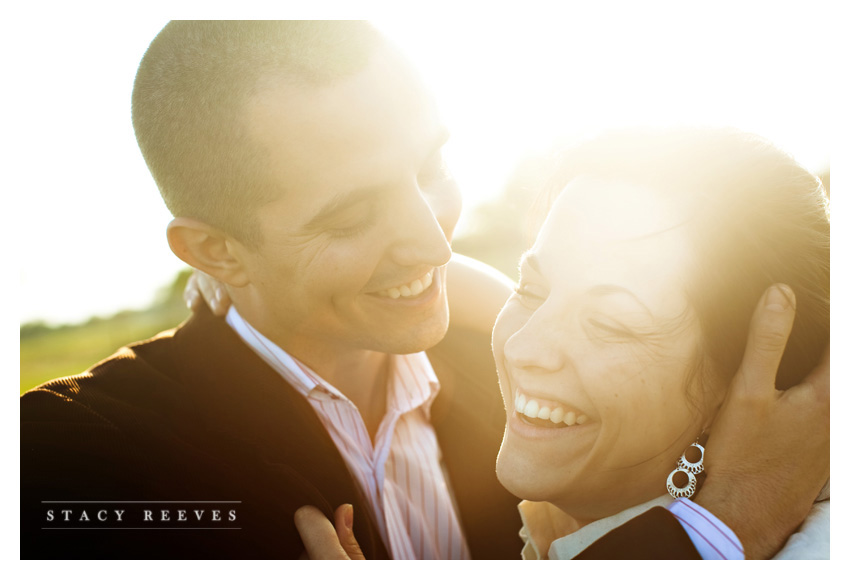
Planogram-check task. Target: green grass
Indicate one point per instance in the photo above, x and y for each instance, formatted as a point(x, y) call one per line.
point(51, 352)
point(70, 350)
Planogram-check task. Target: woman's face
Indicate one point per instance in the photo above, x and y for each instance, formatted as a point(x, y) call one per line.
point(595, 352)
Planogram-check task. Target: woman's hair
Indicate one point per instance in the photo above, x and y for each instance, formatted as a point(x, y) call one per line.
point(756, 217)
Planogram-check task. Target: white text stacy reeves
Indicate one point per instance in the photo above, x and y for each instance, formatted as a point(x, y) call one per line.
point(144, 515)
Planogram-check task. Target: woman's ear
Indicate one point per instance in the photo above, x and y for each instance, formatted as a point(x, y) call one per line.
point(207, 249)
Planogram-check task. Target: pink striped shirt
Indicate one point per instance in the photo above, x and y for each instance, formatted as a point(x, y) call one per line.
point(401, 475)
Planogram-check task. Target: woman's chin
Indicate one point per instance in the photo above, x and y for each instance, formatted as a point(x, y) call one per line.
point(522, 477)
point(584, 495)
point(543, 470)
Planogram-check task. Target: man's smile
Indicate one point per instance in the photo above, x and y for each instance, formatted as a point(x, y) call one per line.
point(410, 289)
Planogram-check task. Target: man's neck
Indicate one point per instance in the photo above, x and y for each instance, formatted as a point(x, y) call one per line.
point(360, 375)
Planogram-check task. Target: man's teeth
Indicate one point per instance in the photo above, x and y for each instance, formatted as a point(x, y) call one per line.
point(554, 413)
point(415, 288)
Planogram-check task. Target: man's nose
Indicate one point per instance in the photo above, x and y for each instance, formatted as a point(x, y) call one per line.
point(424, 227)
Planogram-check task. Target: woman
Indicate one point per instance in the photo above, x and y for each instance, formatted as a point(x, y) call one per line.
point(630, 318)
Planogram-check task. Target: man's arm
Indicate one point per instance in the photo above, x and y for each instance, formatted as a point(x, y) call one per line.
point(768, 455)
point(477, 292)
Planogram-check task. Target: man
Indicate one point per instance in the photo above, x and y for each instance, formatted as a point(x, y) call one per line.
point(302, 163)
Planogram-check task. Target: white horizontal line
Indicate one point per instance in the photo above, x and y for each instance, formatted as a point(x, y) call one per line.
point(135, 501)
point(175, 528)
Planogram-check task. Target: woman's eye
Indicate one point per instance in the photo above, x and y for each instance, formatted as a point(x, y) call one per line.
point(529, 296)
point(609, 330)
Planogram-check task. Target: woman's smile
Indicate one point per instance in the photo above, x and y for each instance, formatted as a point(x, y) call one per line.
point(546, 412)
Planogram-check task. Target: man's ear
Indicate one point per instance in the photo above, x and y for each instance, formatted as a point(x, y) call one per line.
point(207, 249)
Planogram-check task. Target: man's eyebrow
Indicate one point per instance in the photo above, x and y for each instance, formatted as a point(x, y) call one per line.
point(346, 199)
point(608, 289)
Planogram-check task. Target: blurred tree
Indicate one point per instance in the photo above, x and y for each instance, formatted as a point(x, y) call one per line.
point(501, 230)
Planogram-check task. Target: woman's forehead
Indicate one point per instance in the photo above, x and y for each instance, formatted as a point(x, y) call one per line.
point(611, 232)
point(613, 210)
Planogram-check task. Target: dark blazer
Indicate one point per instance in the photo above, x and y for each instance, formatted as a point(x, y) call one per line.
point(195, 415)
point(194, 418)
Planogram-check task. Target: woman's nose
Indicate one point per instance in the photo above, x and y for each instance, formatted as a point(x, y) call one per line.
point(536, 348)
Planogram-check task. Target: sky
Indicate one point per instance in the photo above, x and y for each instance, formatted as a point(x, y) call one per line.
point(90, 226)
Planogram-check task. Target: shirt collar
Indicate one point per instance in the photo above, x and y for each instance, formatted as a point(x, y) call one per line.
point(537, 517)
point(277, 358)
point(411, 382)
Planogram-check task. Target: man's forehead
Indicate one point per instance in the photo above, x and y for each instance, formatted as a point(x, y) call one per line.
point(378, 188)
point(357, 127)
point(387, 84)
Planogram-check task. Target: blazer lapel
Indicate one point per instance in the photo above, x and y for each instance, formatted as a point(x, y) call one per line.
point(249, 408)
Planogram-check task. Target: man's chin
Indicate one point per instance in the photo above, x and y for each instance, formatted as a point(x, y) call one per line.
point(414, 338)
point(411, 344)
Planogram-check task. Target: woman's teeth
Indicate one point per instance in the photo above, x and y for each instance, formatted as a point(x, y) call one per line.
point(415, 288)
point(551, 412)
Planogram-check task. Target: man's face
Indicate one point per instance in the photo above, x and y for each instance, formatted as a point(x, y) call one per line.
point(353, 251)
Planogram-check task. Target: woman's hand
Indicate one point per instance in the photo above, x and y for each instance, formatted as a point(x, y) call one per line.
point(768, 455)
point(326, 541)
point(203, 287)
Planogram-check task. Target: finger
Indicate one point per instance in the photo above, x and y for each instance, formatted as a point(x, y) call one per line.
point(192, 299)
point(819, 377)
point(190, 292)
point(206, 286)
point(344, 519)
point(220, 303)
point(769, 330)
point(213, 292)
point(318, 534)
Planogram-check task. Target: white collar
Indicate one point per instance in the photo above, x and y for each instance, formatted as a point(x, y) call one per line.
point(536, 516)
point(412, 373)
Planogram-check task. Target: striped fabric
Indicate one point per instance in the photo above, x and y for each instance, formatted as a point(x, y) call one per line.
point(711, 537)
point(401, 475)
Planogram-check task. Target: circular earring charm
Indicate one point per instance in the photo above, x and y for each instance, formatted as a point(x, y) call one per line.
point(688, 490)
point(695, 467)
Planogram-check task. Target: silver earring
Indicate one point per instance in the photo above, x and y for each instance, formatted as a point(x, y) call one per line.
point(690, 470)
